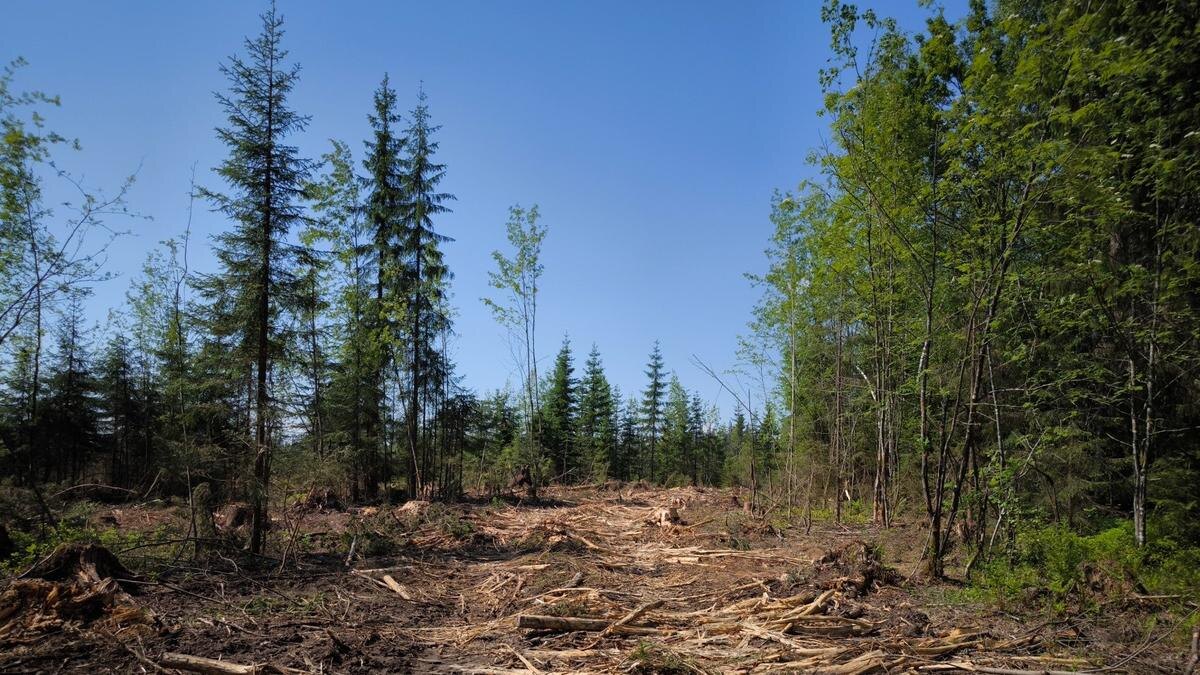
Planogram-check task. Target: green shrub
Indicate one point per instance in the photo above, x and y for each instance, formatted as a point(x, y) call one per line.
point(1053, 565)
point(33, 546)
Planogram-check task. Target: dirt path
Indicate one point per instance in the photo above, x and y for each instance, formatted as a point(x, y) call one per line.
point(490, 588)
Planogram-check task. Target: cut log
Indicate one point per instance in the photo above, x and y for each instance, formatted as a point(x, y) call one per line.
point(199, 664)
point(569, 624)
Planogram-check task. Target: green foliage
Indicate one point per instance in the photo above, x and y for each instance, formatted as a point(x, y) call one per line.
point(73, 528)
point(1058, 568)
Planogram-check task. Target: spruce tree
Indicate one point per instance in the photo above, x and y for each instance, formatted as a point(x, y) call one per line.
point(70, 417)
point(652, 410)
point(126, 407)
point(558, 413)
point(596, 431)
point(384, 211)
point(255, 290)
point(629, 440)
point(423, 276)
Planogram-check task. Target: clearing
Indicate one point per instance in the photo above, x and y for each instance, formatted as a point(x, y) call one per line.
point(589, 579)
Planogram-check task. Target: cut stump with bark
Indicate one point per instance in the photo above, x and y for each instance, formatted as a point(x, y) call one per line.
point(83, 585)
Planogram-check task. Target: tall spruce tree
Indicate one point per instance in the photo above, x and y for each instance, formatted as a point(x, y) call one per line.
point(384, 210)
point(265, 177)
point(423, 277)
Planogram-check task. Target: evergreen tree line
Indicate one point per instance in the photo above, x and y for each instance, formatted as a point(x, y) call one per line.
point(986, 307)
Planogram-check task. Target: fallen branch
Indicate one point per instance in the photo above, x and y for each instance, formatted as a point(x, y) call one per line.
point(199, 664)
point(625, 620)
point(395, 586)
point(569, 624)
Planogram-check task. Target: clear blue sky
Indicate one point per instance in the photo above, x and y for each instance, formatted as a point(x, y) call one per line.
point(651, 134)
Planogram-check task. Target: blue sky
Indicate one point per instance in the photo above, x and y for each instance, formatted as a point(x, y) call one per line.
point(651, 135)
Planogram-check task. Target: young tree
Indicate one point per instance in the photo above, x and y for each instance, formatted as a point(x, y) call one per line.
point(596, 428)
point(355, 389)
point(558, 413)
point(652, 410)
point(70, 419)
point(678, 435)
point(628, 440)
point(256, 286)
point(127, 405)
point(516, 309)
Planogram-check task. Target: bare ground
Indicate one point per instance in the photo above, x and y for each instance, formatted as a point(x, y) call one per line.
point(490, 587)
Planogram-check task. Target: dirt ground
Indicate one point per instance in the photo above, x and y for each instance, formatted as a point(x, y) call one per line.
point(587, 580)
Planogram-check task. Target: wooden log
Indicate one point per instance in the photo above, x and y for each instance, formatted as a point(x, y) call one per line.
point(199, 664)
point(395, 586)
point(569, 624)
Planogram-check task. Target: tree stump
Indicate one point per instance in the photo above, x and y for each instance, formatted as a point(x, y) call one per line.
point(7, 547)
point(77, 584)
point(86, 563)
point(206, 526)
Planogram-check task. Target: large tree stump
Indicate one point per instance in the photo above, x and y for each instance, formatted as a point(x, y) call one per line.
point(522, 479)
point(77, 584)
point(86, 563)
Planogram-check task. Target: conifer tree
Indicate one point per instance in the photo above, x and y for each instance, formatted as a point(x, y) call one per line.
point(127, 407)
point(629, 442)
point(384, 213)
point(559, 408)
point(255, 289)
point(70, 418)
point(424, 275)
point(652, 410)
point(596, 427)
